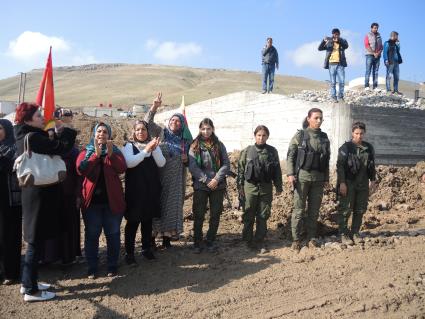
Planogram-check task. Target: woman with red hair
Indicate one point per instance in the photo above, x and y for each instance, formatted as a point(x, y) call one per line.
point(40, 205)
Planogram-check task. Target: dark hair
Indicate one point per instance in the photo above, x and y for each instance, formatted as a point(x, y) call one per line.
point(336, 30)
point(393, 32)
point(310, 112)
point(269, 39)
point(25, 111)
point(374, 24)
point(195, 144)
point(145, 124)
point(261, 128)
point(206, 121)
point(358, 125)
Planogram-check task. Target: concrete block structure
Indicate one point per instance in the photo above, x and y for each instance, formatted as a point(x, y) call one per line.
point(7, 107)
point(397, 134)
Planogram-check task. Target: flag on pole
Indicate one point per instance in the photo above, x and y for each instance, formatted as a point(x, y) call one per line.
point(46, 93)
point(186, 132)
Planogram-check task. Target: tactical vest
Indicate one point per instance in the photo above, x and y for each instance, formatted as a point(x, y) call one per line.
point(257, 171)
point(307, 158)
point(353, 164)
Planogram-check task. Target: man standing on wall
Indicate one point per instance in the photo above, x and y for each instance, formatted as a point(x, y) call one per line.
point(373, 46)
point(392, 59)
point(270, 61)
point(335, 61)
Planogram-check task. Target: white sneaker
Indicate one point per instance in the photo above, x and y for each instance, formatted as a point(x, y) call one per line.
point(367, 88)
point(40, 296)
point(41, 287)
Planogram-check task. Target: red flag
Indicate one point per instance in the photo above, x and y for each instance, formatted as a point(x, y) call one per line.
point(46, 93)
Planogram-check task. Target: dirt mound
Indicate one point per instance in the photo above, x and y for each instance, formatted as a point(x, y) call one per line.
point(398, 197)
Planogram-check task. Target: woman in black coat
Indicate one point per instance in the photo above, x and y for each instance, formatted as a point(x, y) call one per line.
point(10, 207)
point(142, 188)
point(40, 205)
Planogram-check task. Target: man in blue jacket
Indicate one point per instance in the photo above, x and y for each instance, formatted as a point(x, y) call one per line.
point(270, 61)
point(335, 61)
point(392, 59)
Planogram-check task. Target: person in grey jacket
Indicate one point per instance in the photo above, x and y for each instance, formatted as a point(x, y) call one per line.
point(270, 62)
point(209, 165)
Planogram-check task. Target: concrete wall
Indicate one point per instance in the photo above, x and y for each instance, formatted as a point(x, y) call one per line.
point(398, 135)
point(236, 115)
point(101, 111)
point(7, 107)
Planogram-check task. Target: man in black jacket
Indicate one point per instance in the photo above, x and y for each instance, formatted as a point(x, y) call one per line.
point(335, 61)
point(270, 61)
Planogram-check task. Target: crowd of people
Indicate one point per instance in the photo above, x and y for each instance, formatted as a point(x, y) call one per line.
point(336, 61)
point(155, 161)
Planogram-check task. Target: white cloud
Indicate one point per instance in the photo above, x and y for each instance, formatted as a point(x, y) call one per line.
point(151, 44)
point(171, 52)
point(308, 55)
point(29, 45)
point(30, 49)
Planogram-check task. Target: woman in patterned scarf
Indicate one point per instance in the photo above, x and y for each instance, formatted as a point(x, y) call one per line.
point(175, 142)
point(209, 165)
point(103, 204)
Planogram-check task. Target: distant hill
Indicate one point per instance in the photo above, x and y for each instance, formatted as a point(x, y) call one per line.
point(126, 84)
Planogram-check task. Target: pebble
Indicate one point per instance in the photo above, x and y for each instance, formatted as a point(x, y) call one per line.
point(379, 98)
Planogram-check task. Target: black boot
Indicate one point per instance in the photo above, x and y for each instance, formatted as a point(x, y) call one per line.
point(166, 242)
point(130, 259)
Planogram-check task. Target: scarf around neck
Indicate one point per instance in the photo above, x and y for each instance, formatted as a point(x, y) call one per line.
point(177, 142)
point(90, 148)
point(213, 148)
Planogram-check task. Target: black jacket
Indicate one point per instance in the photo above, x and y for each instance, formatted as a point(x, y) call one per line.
point(328, 46)
point(142, 190)
point(41, 211)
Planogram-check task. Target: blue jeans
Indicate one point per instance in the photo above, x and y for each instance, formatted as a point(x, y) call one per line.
point(372, 65)
point(268, 73)
point(96, 217)
point(30, 269)
point(336, 70)
point(393, 71)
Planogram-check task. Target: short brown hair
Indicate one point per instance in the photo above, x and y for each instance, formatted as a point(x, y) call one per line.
point(261, 128)
point(358, 125)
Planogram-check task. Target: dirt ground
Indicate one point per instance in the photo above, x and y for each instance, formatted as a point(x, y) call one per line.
point(382, 278)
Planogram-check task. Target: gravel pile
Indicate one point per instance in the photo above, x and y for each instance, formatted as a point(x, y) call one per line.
point(378, 98)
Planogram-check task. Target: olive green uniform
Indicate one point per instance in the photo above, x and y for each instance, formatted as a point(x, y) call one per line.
point(259, 194)
point(356, 177)
point(309, 182)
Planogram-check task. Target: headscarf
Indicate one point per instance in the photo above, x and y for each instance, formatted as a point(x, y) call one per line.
point(90, 148)
point(177, 142)
point(8, 145)
point(140, 145)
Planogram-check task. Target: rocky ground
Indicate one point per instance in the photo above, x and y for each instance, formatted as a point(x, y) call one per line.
point(382, 278)
point(361, 97)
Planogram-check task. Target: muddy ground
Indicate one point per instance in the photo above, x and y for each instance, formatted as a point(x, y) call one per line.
point(382, 278)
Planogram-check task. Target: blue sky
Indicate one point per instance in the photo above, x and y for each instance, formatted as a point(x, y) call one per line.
point(213, 34)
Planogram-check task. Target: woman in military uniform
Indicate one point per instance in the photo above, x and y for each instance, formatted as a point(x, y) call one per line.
point(308, 173)
point(356, 176)
point(258, 170)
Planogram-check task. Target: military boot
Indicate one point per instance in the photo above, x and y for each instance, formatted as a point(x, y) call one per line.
point(313, 243)
point(296, 246)
point(358, 239)
point(346, 240)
